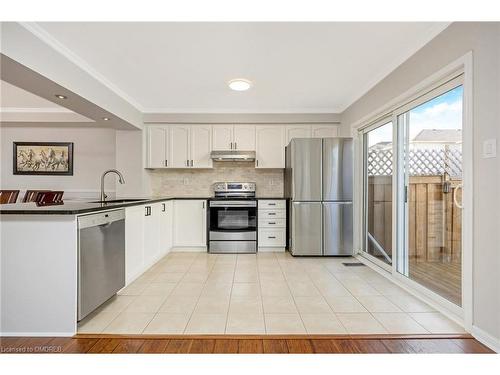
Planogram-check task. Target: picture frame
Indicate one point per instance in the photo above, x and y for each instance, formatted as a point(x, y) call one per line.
point(43, 158)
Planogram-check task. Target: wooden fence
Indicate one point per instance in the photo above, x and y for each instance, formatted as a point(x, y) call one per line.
point(435, 223)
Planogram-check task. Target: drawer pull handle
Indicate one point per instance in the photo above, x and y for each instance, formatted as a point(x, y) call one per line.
point(272, 222)
point(272, 213)
point(272, 204)
point(271, 237)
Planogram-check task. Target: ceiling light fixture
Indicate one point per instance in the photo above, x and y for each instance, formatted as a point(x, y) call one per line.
point(106, 118)
point(59, 96)
point(239, 84)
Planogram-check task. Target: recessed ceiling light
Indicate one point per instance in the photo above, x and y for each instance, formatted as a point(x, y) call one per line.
point(106, 118)
point(59, 96)
point(239, 84)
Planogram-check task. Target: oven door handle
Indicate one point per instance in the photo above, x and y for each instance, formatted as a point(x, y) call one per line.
point(222, 205)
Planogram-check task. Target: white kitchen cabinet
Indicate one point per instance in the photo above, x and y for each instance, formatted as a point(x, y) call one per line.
point(151, 233)
point(222, 137)
point(200, 146)
point(178, 149)
point(270, 146)
point(233, 137)
point(134, 242)
point(190, 223)
point(165, 227)
point(157, 156)
point(244, 137)
point(272, 225)
point(324, 131)
point(297, 131)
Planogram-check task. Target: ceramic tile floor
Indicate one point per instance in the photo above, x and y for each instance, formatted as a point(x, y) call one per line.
point(271, 293)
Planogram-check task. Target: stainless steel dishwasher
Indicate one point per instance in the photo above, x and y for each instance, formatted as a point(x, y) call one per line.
point(101, 259)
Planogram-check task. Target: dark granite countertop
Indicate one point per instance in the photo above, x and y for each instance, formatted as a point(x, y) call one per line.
point(73, 207)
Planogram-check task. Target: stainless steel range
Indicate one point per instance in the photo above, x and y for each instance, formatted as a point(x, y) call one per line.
point(232, 218)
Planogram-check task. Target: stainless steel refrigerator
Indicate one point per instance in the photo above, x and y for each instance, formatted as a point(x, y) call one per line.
point(318, 184)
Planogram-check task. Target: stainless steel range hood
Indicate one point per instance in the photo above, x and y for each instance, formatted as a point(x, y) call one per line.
point(233, 155)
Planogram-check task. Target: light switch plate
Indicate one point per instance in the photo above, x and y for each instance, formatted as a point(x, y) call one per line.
point(490, 148)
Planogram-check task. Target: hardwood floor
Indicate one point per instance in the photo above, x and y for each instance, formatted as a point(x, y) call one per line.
point(244, 344)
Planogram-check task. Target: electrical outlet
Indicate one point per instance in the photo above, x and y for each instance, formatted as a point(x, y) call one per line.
point(271, 182)
point(185, 181)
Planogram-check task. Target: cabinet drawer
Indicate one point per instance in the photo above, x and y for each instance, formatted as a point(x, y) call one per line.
point(272, 237)
point(272, 223)
point(271, 204)
point(272, 214)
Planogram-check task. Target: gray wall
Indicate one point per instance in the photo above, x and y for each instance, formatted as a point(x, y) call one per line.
point(94, 152)
point(483, 39)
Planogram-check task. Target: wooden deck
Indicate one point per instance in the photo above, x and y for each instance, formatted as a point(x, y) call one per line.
point(443, 278)
point(294, 344)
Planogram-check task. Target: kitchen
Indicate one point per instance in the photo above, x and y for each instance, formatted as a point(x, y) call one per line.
point(214, 207)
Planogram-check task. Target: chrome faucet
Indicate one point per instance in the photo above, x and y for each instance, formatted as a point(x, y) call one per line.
point(121, 180)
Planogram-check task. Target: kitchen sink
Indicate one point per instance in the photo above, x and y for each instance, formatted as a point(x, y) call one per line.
point(120, 201)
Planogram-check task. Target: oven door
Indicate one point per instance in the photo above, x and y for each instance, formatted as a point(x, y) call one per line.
point(233, 220)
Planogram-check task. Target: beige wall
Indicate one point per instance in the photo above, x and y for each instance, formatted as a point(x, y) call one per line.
point(198, 182)
point(483, 39)
point(94, 152)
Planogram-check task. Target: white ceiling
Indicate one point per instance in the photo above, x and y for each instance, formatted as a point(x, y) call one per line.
point(184, 67)
point(18, 105)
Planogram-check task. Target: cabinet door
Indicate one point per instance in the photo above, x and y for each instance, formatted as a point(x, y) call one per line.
point(244, 137)
point(297, 131)
point(270, 148)
point(222, 137)
point(201, 146)
point(169, 225)
point(151, 233)
point(134, 242)
point(324, 131)
point(157, 142)
point(190, 227)
point(179, 146)
point(165, 229)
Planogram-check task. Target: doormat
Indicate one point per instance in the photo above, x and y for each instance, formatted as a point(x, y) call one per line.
point(354, 264)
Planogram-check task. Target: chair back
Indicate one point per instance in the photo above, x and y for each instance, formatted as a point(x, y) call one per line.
point(8, 196)
point(32, 195)
point(50, 197)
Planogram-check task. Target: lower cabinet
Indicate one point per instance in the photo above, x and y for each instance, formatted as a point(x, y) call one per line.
point(272, 225)
point(134, 242)
point(190, 223)
point(148, 236)
point(166, 230)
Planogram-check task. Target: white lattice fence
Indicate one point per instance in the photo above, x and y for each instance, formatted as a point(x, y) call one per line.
point(422, 162)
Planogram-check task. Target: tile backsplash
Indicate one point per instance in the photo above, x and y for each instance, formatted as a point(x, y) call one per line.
point(198, 182)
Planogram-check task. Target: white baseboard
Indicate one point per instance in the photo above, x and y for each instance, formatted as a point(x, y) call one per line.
point(485, 338)
point(189, 249)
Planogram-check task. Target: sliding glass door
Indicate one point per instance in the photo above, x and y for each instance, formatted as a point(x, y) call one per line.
point(430, 156)
point(378, 169)
point(412, 191)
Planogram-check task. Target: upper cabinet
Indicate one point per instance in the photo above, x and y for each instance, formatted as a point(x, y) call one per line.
point(157, 147)
point(270, 146)
point(233, 137)
point(297, 131)
point(222, 137)
point(179, 146)
point(324, 131)
point(189, 146)
point(244, 137)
